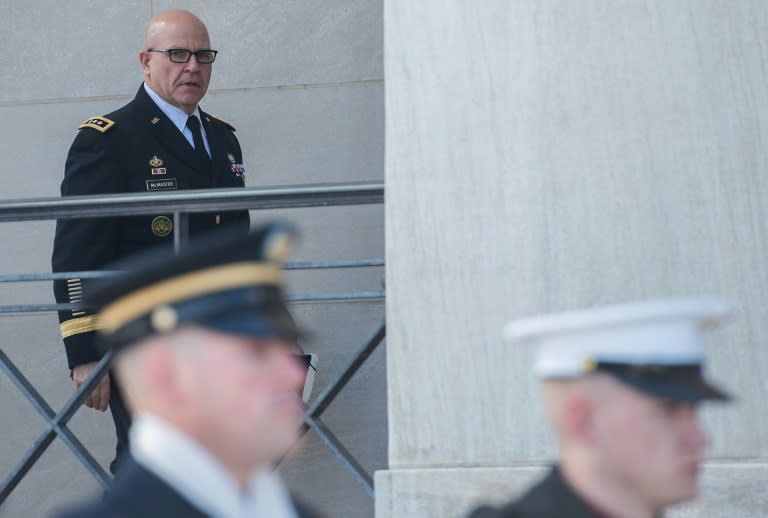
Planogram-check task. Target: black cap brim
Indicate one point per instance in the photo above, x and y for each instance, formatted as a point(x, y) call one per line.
point(679, 391)
point(255, 324)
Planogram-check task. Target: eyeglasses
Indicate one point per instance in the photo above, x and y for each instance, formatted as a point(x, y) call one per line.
point(203, 56)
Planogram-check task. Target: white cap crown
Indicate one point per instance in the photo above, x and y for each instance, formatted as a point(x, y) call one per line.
point(660, 332)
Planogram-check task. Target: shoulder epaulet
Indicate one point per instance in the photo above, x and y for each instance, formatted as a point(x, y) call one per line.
point(98, 123)
point(227, 124)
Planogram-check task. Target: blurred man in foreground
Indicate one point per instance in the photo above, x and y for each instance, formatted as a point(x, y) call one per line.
point(620, 387)
point(205, 351)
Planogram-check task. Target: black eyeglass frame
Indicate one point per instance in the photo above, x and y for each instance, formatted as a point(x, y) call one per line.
point(168, 52)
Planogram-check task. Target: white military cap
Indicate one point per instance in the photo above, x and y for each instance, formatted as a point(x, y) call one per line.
point(654, 346)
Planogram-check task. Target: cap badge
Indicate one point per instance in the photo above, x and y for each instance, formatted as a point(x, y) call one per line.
point(278, 246)
point(164, 319)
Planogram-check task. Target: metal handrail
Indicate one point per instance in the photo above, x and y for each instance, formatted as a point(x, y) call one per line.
point(206, 200)
point(326, 296)
point(190, 201)
point(100, 274)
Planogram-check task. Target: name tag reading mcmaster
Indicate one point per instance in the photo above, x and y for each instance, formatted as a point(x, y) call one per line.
point(166, 184)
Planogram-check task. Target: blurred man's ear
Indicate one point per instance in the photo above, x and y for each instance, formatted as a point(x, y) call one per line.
point(163, 374)
point(578, 419)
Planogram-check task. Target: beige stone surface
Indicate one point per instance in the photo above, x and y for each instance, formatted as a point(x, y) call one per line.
point(307, 42)
point(56, 51)
point(307, 135)
point(546, 155)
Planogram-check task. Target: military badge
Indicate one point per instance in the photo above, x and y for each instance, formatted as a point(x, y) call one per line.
point(159, 170)
point(164, 319)
point(101, 124)
point(155, 162)
point(162, 226)
point(155, 120)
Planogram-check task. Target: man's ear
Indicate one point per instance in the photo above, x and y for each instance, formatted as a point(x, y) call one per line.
point(578, 419)
point(161, 374)
point(144, 61)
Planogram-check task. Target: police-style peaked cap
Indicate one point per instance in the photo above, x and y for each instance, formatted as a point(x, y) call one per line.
point(226, 282)
point(654, 346)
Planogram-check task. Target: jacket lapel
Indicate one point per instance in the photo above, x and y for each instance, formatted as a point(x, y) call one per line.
point(217, 140)
point(219, 161)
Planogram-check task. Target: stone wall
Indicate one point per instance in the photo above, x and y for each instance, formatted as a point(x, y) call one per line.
point(544, 155)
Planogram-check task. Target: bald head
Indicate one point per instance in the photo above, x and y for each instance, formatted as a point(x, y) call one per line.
point(175, 20)
point(181, 84)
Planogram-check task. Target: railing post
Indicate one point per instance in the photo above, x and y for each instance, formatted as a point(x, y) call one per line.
point(180, 230)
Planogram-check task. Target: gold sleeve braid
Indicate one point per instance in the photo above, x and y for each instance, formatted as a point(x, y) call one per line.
point(78, 325)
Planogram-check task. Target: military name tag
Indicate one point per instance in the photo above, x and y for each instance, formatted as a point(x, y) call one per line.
point(166, 184)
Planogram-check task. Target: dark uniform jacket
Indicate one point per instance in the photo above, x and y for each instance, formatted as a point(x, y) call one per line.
point(134, 149)
point(552, 497)
point(139, 493)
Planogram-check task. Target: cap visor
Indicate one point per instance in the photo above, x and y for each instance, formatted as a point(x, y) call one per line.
point(684, 391)
point(256, 325)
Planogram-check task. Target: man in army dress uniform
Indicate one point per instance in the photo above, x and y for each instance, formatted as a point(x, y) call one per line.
point(206, 354)
point(159, 142)
point(621, 386)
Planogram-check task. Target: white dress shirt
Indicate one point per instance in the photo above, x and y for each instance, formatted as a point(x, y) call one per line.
point(200, 478)
point(179, 118)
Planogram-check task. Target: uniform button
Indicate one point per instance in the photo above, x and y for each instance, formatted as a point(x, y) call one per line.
point(218, 218)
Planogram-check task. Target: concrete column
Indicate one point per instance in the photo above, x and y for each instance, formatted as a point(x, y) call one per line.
point(545, 155)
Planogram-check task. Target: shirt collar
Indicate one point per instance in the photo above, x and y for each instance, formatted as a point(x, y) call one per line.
point(177, 116)
point(200, 478)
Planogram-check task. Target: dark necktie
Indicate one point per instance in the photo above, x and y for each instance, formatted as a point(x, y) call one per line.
point(193, 123)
